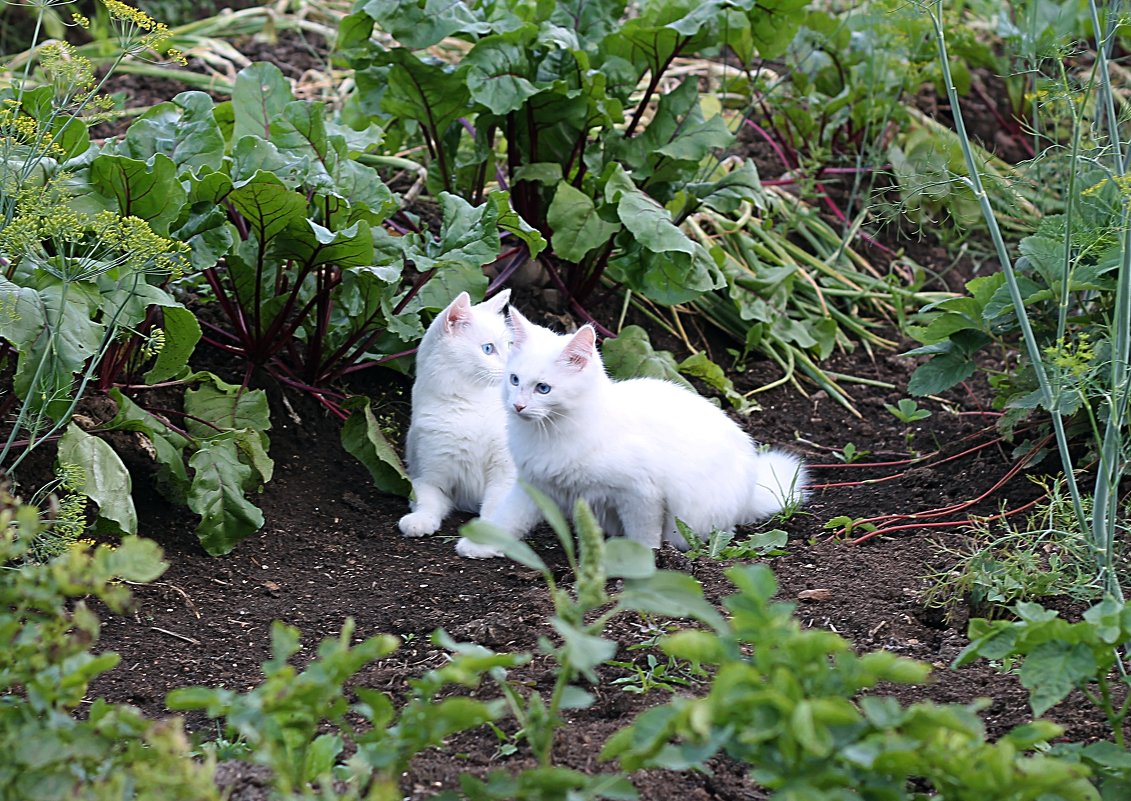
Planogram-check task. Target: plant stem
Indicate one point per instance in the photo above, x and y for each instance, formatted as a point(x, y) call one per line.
point(974, 181)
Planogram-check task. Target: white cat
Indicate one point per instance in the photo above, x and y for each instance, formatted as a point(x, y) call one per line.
point(642, 452)
point(457, 447)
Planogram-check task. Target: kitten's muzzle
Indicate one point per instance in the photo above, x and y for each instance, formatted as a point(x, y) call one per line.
point(518, 407)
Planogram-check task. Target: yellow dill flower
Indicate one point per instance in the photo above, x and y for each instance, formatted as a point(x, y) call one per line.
point(1074, 358)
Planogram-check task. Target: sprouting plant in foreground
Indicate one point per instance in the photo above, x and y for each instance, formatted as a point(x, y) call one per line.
point(284, 720)
point(579, 620)
point(47, 635)
point(851, 452)
point(1057, 657)
point(800, 707)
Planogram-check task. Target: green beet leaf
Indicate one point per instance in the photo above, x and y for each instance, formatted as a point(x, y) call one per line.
point(498, 70)
point(259, 96)
point(418, 24)
point(106, 481)
point(184, 130)
point(182, 332)
point(217, 495)
point(578, 229)
point(363, 438)
point(631, 355)
point(147, 189)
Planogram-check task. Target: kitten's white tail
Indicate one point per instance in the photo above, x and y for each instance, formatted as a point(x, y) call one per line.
point(779, 481)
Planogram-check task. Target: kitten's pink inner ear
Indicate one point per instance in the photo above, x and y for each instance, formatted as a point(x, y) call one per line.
point(458, 313)
point(579, 351)
point(516, 324)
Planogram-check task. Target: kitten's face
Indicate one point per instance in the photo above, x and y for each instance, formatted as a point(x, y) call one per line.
point(546, 373)
point(473, 339)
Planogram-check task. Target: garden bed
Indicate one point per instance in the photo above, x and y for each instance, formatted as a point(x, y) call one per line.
point(331, 549)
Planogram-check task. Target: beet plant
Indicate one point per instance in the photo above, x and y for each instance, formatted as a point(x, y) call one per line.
point(543, 104)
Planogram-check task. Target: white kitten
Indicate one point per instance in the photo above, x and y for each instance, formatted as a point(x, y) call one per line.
point(642, 452)
point(457, 448)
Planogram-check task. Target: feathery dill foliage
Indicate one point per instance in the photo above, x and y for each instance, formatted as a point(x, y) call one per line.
point(65, 520)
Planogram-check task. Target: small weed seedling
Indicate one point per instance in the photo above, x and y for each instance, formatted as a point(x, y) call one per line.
point(845, 526)
point(850, 453)
point(721, 544)
point(908, 412)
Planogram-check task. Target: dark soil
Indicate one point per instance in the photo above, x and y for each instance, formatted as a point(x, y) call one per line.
point(331, 550)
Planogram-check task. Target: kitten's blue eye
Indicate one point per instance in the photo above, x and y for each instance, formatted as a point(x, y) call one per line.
point(488, 348)
point(542, 389)
point(514, 380)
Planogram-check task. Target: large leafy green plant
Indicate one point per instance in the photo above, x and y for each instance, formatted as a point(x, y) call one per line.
point(543, 103)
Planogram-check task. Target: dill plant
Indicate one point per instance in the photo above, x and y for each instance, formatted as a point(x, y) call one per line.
point(1063, 294)
point(76, 279)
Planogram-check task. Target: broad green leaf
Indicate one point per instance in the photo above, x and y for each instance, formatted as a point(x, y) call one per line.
point(577, 228)
point(728, 193)
point(362, 437)
point(696, 144)
point(580, 650)
point(204, 226)
point(547, 173)
point(650, 223)
point(184, 130)
point(321, 755)
point(168, 445)
point(625, 558)
point(260, 94)
point(252, 155)
point(217, 495)
point(268, 206)
point(225, 406)
point(631, 355)
point(310, 244)
point(468, 234)
point(366, 193)
point(137, 559)
point(694, 645)
point(417, 24)
point(1052, 669)
point(677, 138)
point(940, 373)
point(55, 333)
point(509, 221)
point(146, 189)
point(106, 480)
point(701, 366)
point(666, 592)
point(481, 532)
point(182, 332)
point(667, 276)
point(432, 95)
point(499, 70)
point(773, 23)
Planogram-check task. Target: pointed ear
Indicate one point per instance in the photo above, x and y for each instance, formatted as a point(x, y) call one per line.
point(581, 348)
point(457, 313)
point(518, 326)
point(499, 302)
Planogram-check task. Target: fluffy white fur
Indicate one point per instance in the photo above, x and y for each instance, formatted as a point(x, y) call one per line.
point(457, 449)
point(642, 452)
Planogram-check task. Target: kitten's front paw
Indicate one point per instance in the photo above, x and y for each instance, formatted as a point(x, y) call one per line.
point(473, 550)
point(418, 524)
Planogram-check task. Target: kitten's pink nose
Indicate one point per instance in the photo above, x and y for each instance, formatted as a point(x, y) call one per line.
point(518, 407)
